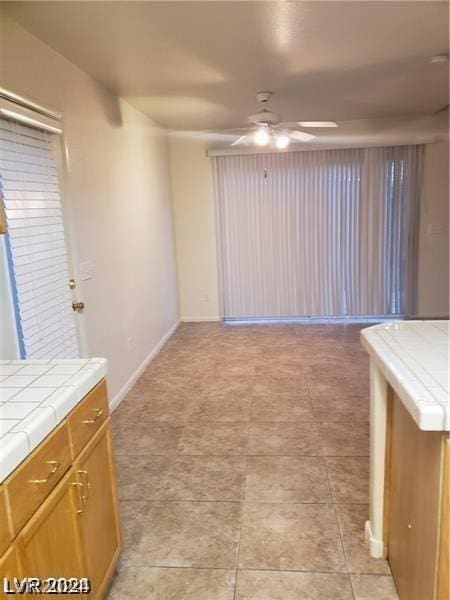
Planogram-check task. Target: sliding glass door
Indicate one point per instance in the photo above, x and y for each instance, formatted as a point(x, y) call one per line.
point(318, 233)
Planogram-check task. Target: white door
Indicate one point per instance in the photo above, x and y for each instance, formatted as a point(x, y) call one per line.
point(36, 244)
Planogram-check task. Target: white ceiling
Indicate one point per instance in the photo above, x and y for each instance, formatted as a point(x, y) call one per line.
point(198, 65)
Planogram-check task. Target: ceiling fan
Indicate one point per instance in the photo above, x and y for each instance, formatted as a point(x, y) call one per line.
point(268, 130)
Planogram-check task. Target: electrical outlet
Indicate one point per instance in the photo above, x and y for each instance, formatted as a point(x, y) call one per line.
point(206, 298)
point(130, 344)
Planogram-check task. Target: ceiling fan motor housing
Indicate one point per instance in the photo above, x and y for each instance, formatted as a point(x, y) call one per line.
point(264, 117)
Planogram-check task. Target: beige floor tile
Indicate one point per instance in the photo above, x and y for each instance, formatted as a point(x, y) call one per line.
point(374, 587)
point(129, 409)
point(154, 583)
point(191, 534)
point(205, 478)
point(140, 477)
point(332, 368)
point(219, 383)
point(286, 479)
point(225, 407)
point(270, 386)
point(283, 370)
point(214, 437)
point(285, 439)
point(235, 367)
point(145, 437)
point(351, 519)
point(133, 515)
point(301, 537)
point(349, 479)
point(164, 407)
point(329, 385)
point(280, 408)
point(279, 585)
point(350, 409)
point(344, 439)
point(176, 384)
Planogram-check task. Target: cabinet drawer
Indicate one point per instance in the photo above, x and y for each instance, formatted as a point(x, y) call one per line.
point(30, 483)
point(5, 535)
point(87, 418)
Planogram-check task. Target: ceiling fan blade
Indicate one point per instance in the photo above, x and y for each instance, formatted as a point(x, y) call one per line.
point(301, 136)
point(241, 140)
point(317, 124)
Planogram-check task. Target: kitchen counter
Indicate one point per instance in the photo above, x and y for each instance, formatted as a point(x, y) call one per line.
point(410, 453)
point(413, 357)
point(36, 395)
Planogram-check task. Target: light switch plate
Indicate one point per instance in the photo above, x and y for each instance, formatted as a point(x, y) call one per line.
point(435, 229)
point(87, 270)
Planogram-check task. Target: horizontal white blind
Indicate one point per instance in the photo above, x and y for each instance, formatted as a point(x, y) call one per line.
point(36, 243)
point(319, 233)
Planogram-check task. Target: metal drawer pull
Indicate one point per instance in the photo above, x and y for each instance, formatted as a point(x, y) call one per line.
point(78, 484)
point(85, 475)
point(99, 412)
point(56, 464)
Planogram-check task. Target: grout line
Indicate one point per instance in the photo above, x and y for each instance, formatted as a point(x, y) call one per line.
point(264, 569)
point(244, 486)
point(352, 588)
point(303, 502)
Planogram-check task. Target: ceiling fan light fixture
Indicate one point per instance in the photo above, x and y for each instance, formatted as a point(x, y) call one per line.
point(317, 124)
point(261, 137)
point(282, 141)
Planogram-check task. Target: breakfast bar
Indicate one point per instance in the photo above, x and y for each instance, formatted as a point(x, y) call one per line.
point(409, 520)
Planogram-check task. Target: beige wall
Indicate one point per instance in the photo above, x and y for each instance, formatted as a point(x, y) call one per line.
point(433, 299)
point(117, 190)
point(193, 202)
point(196, 250)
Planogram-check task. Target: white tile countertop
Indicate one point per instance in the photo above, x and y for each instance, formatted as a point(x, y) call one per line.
point(414, 357)
point(36, 395)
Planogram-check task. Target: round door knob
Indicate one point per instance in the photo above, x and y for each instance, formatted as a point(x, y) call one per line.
point(77, 306)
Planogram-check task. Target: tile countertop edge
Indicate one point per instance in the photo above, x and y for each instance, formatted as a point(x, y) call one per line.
point(48, 410)
point(427, 416)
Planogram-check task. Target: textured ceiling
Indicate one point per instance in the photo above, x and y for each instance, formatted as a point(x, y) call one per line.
point(198, 65)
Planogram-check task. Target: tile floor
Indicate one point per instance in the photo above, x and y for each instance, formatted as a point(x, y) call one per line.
point(242, 462)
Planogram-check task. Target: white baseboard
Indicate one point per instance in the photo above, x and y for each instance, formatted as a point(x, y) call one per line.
point(199, 319)
point(132, 380)
point(431, 316)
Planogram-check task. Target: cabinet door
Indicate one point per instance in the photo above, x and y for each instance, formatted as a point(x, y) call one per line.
point(414, 505)
point(99, 519)
point(50, 543)
point(9, 569)
point(5, 535)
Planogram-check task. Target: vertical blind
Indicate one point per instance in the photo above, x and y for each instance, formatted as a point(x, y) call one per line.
point(318, 233)
point(36, 243)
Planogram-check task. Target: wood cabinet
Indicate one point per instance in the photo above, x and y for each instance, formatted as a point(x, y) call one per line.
point(29, 485)
point(9, 567)
point(99, 523)
point(50, 544)
point(5, 534)
point(418, 529)
point(67, 524)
